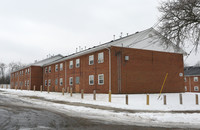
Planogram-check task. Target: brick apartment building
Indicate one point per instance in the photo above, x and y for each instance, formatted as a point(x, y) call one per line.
point(26, 77)
point(133, 64)
point(192, 79)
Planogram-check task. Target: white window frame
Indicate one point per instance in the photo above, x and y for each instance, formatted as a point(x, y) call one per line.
point(61, 66)
point(25, 83)
point(46, 69)
point(77, 63)
point(100, 57)
point(49, 69)
point(99, 75)
point(61, 81)
point(196, 88)
point(56, 81)
point(91, 59)
point(185, 88)
point(71, 64)
point(56, 68)
point(45, 82)
point(28, 83)
point(91, 78)
point(185, 79)
point(28, 70)
point(78, 80)
point(196, 79)
point(49, 82)
point(70, 81)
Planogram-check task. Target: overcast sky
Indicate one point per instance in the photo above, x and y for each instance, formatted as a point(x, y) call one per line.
point(32, 29)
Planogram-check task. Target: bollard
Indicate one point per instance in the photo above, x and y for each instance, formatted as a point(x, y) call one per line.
point(1, 86)
point(126, 99)
point(6, 86)
point(82, 92)
point(147, 99)
point(181, 99)
point(165, 99)
point(21, 87)
point(34, 88)
point(48, 89)
point(40, 88)
point(197, 99)
point(67, 89)
point(62, 91)
point(71, 91)
point(109, 96)
point(94, 94)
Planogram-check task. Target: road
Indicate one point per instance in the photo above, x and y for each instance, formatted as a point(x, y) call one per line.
point(16, 114)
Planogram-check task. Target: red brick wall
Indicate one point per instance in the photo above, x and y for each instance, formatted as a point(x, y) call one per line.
point(53, 75)
point(190, 83)
point(36, 77)
point(145, 71)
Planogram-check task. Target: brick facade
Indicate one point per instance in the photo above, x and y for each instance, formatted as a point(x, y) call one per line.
point(143, 72)
point(191, 84)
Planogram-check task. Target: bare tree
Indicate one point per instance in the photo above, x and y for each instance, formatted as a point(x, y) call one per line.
point(180, 22)
point(2, 69)
point(197, 64)
point(15, 66)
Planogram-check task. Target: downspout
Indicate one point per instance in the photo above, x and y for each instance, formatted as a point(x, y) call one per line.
point(43, 78)
point(109, 74)
point(30, 79)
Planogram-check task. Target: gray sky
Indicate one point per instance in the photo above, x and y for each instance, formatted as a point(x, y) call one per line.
point(32, 29)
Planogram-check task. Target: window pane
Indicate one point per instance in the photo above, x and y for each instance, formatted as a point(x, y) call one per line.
point(77, 80)
point(100, 57)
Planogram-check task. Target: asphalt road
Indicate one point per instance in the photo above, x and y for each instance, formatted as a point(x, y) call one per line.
point(16, 114)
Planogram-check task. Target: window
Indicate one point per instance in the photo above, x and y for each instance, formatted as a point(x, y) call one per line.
point(49, 82)
point(91, 79)
point(49, 69)
point(22, 72)
point(101, 79)
point(70, 80)
point(77, 80)
point(25, 83)
point(28, 83)
point(77, 63)
point(91, 59)
point(185, 79)
point(71, 64)
point(61, 81)
point(56, 81)
point(45, 82)
point(196, 88)
point(195, 79)
point(45, 69)
point(100, 57)
point(28, 71)
point(61, 66)
point(185, 88)
point(56, 67)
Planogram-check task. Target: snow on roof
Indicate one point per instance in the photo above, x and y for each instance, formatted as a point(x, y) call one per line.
point(42, 62)
point(146, 40)
point(192, 71)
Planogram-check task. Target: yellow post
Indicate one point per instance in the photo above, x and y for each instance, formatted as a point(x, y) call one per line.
point(147, 99)
point(163, 85)
point(181, 99)
point(40, 88)
point(71, 91)
point(2, 86)
point(126, 99)
point(67, 89)
point(82, 92)
point(109, 96)
point(197, 99)
point(94, 94)
point(21, 87)
point(48, 89)
point(165, 99)
point(6, 86)
point(34, 88)
point(62, 91)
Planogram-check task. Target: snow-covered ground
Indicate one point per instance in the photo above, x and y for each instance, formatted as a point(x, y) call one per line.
point(155, 114)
